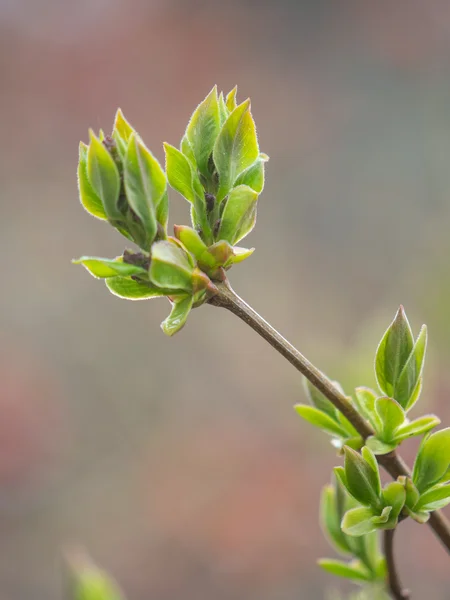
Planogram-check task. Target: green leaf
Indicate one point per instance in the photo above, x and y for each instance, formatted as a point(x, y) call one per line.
point(162, 212)
point(354, 570)
point(129, 289)
point(181, 308)
point(391, 415)
point(393, 353)
point(365, 402)
point(253, 176)
point(320, 419)
point(358, 521)
point(231, 99)
point(434, 499)
point(417, 427)
point(236, 148)
point(145, 185)
point(318, 400)
point(223, 110)
point(88, 198)
point(239, 255)
point(433, 460)
point(123, 128)
point(170, 267)
point(192, 242)
point(102, 268)
point(239, 215)
point(378, 447)
point(203, 129)
point(186, 149)
point(363, 478)
point(394, 495)
point(418, 516)
point(412, 371)
point(179, 172)
point(330, 519)
point(103, 177)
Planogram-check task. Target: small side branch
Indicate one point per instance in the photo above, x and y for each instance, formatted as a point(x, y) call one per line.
point(393, 580)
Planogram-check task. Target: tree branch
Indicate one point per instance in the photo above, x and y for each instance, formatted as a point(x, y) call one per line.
point(394, 464)
point(393, 580)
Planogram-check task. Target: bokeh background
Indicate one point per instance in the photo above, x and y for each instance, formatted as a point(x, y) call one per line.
point(179, 463)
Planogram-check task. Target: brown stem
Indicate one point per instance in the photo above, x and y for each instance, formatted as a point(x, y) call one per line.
point(394, 464)
point(393, 580)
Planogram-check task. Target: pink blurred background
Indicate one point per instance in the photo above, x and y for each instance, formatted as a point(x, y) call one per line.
point(179, 463)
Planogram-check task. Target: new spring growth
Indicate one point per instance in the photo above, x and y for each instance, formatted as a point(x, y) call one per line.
point(218, 168)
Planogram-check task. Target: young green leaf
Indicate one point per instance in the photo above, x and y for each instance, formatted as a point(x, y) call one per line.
point(318, 400)
point(101, 268)
point(239, 255)
point(231, 99)
point(88, 198)
point(358, 521)
point(171, 267)
point(88, 582)
point(391, 415)
point(253, 176)
point(181, 308)
point(239, 215)
point(419, 426)
point(330, 519)
point(354, 570)
point(393, 353)
point(365, 401)
point(145, 185)
point(432, 461)
point(363, 478)
point(203, 129)
point(130, 289)
point(103, 177)
point(179, 172)
point(223, 110)
point(192, 242)
point(320, 419)
point(394, 495)
point(123, 128)
point(378, 447)
point(236, 148)
point(434, 499)
point(411, 372)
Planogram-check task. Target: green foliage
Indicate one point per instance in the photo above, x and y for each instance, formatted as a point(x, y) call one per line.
point(399, 361)
point(121, 181)
point(88, 582)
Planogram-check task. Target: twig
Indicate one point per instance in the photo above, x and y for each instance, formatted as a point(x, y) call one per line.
point(392, 462)
point(393, 580)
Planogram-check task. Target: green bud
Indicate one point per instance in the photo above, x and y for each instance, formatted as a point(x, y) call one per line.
point(432, 461)
point(104, 177)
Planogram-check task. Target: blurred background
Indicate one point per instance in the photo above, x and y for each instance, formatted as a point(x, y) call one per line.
point(179, 463)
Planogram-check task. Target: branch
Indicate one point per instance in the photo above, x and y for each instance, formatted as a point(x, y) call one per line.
point(394, 464)
point(395, 587)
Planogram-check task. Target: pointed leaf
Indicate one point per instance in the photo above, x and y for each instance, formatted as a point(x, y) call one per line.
point(331, 519)
point(393, 352)
point(203, 129)
point(129, 289)
point(123, 128)
point(170, 267)
point(145, 185)
point(103, 177)
point(179, 172)
point(434, 499)
point(362, 479)
point(236, 148)
point(239, 255)
point(102, 268)
point(320, 419)
point(181, 308)
point(354, 570)
point(365, 401)
point(433, 460)
point(239, 215)
point(358, 521)
point(412, 371)
point(223, 110)
point(391, 415)
point(253, 176)
point(88, 198)
point(318, 400)
point(231, 99)
point(417, 427)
